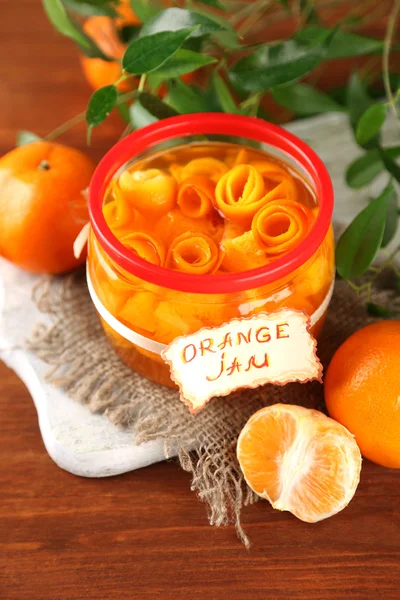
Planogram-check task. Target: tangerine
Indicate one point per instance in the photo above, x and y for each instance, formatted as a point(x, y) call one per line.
point(43, 205)
point(105, 32)
point(362, 390)
point(299, 460)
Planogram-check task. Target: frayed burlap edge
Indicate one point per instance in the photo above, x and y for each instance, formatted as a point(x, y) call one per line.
point(82, 363)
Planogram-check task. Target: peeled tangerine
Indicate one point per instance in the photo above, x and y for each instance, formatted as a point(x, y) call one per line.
point(300, 460)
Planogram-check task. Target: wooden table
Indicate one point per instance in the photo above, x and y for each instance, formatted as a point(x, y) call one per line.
point(144, 535)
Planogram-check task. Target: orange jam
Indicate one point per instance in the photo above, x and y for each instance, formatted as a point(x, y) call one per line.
point(204, 209)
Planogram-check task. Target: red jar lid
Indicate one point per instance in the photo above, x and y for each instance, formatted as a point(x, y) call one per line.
point(212, 124)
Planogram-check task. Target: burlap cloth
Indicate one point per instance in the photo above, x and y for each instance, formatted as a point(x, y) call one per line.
point(83, 364)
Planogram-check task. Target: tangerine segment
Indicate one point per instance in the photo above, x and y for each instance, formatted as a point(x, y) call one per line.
point(299, 460)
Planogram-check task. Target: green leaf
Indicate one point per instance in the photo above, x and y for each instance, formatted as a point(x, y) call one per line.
point(101, 104)
point(146, 54)
point(145, 9)
point(365, 169)
point(26, 137)
point(275, 64)
point(376, 310)
point(358, 99)
point(344, 44)
point(88, 8)
point(305, 100)
point(370, 123)
point(187, 99)
point(71, 28)
point(156, 107)
point(183, 61)
point(224, 96)
point(175, 19)
point(149, 109)
point(389, 164)
point(359, 244)
point(226, 39)
point(59, 18)
point(392, 218)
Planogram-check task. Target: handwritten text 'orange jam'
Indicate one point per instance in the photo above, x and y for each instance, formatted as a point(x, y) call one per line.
point(244, 353)
point(261, 335)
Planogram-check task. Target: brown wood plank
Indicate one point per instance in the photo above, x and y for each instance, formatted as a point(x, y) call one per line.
point(144, 535)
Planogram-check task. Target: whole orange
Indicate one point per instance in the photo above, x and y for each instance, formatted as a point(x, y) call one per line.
point(362, 390)
point(104, 31)
point(43, 205)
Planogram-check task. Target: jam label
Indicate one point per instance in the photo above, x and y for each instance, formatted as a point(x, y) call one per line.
point(273, 348)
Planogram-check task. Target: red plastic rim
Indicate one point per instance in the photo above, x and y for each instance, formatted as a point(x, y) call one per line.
point(212, 124)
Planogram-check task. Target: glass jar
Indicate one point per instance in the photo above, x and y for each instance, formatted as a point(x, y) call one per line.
point(144, 307)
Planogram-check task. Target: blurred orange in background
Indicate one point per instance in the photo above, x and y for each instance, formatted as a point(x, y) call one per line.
point(106, 33)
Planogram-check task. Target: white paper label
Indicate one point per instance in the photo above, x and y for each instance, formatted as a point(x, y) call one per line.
point(244, 353)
